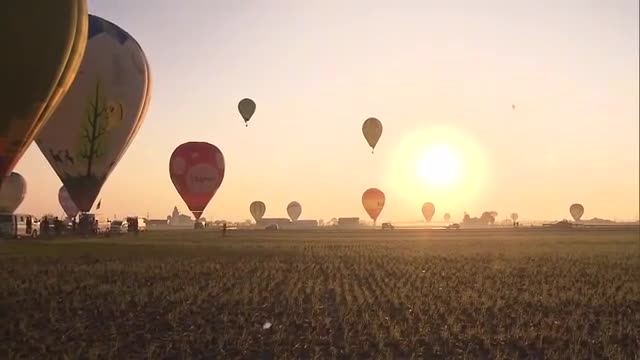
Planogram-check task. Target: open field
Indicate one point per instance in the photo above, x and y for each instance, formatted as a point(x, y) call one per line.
point(328, 294)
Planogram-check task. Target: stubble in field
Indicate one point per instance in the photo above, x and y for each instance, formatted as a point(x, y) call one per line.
point(326, 295)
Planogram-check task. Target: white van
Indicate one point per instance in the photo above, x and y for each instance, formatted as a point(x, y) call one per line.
point(18, 226)
point(119, 227)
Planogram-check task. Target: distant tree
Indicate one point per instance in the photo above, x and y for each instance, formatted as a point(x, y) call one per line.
point(94, 130)
point(333, 222)
point(487, 217)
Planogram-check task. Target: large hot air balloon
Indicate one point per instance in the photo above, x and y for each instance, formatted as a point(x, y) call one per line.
point(98, 118)
point(294, 209)
point(576, 211)
point(373, 202)
point(372, 130)
point(447, 217)
point(428, 209)
point(246, 107)
point(12, 192)
point(67, 203)
point(197, 171)
point(43, 42)
point(257, 208)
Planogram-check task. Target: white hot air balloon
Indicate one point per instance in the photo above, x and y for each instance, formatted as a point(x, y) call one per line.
point(257, 209)
point(294, 209)
point(12, 192)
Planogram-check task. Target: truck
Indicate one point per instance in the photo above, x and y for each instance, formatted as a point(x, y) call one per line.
point(16, 226)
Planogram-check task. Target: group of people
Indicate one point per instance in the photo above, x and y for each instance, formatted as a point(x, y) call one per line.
point(58, 226)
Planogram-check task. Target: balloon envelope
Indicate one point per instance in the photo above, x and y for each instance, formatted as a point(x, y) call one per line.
point(428, 209)
point(12, 192)
point(197, 171)
point(89, 132)
point(514, 217)
point(67, 203)
point(373, 202)
point(372, 130)
point(43, 43)
point(257, 208)
point(246, 107)
point(294, 209)
point(576, 211)
point(447, 217)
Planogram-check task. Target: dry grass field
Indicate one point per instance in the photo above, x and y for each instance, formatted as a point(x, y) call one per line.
point(347, 295)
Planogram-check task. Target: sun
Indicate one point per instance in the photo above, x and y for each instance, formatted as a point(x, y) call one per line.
point(438, 166)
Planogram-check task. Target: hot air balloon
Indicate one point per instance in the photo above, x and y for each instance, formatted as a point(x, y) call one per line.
point(246, 107)
point(447, 217)
point(12, 192)
point(514, 217)
point(67, 203)
point(373, 202)
point(257, 208)
point(96, 121)
point(197, 171)
point(43, 42)
point(576, 211)
point(372, 130)
point(428, 209)
point(294, 209)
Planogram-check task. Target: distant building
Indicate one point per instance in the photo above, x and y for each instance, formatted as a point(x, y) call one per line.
point(281, 222)
point(349, 222)
point(177, 219)
point(303, 224)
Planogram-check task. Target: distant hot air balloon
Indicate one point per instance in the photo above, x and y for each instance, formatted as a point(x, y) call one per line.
point(576, 211)
point(43, 42)
point(447, 217)
point(257, 209)
point(294, 209)
point(428, 209)
point(246, 107)
point(373, 202)
point(67, 203)
point(12, 192)
point(514, 217)
point(96, 121)
point(197, 171)
point(372, 130)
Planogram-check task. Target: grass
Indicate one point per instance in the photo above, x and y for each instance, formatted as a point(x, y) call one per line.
point(359, 294)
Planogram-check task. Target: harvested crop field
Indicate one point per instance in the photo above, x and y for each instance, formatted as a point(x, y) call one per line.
point(327, 294)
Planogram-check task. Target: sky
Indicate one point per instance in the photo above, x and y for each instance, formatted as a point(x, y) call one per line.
point(441, 76)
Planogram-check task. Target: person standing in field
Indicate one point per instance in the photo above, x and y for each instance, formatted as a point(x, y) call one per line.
point(224, 229)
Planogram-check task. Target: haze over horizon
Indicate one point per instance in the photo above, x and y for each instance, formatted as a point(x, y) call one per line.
point(441, 76)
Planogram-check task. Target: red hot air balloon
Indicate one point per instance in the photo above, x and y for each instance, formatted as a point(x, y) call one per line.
point(373, 202)
point(197, 170)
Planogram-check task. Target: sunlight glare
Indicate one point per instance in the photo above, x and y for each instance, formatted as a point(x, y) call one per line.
point(438, 166)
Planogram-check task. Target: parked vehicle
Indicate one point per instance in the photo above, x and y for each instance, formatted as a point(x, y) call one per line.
point(18, 226)
point(93, 224)
point(454, 226)
point(119, 227)
point(136, 224)
point(387, 226)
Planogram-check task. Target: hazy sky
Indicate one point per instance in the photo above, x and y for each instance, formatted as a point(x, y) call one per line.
point(436, 73)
